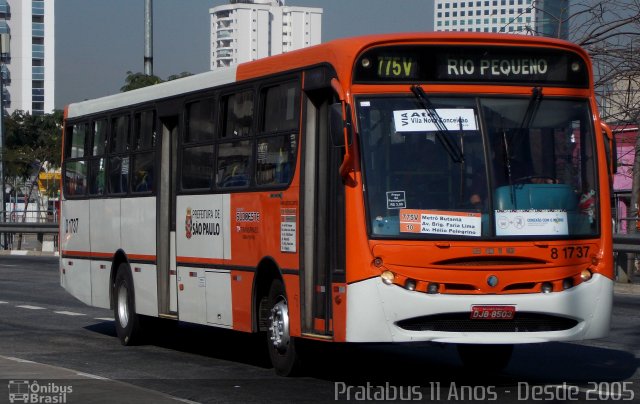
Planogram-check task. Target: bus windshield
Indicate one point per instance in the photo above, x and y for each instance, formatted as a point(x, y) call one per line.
point(494, 166)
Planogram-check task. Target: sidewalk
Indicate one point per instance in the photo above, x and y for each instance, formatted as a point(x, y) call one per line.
point(627, 288)
point(55, 384)
point(30, 253)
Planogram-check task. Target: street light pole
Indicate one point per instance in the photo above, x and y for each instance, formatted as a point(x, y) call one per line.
point(148, 37)
point(4, 42)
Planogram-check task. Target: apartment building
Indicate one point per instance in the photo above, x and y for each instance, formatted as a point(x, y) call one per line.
point(251, 29)
point(529, 17)
point(27, 55)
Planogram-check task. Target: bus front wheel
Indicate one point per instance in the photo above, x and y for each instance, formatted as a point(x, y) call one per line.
point(127, 321)
point(492, 358)
point(281, 345)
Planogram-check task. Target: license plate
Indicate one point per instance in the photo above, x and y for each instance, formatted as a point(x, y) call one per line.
point(493, 312)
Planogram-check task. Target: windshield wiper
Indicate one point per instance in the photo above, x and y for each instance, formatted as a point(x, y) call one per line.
point(451, 147)
point(532, 108)
point(527, 118)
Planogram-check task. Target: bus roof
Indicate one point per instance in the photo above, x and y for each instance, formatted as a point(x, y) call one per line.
point(339, 53)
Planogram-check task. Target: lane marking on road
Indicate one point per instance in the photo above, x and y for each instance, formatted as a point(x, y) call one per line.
point(69, 313)
point(11, 358)
point(105, 319)
point(153, 393)
point(26, 306)
point(3, 302)
point(89, 375)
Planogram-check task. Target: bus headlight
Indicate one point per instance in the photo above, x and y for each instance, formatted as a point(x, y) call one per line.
point(547, 287)
point(567, 283)
point(433, 288)
point(410, 284)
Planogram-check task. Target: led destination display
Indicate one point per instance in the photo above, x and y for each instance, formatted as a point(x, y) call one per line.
point(472, 64)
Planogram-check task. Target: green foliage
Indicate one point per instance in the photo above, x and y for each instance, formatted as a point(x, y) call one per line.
point(179, 76)
point(30, 141)
point(134, 81)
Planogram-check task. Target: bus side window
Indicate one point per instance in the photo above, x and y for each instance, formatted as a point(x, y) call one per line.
point(119, 160)
point(75, 153)
point(278, 131)
point(142, 156)
point(97, 169)
point(233, 167)
point(198, 146)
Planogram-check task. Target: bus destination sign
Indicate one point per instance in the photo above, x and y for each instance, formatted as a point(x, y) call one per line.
point(472, 64)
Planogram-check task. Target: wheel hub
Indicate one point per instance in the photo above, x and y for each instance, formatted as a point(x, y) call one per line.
point(279, 326)
point(123, 306)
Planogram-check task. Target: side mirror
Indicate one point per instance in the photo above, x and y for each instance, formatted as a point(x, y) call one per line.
point(336, 124)
point(611, 148)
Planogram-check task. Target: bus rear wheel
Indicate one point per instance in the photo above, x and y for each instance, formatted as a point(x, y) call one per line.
point(128, 326)
point(281, 345)
point(491, 358)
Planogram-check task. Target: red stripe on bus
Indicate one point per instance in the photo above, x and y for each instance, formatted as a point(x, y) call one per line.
point(108, 256)
point(197, 260)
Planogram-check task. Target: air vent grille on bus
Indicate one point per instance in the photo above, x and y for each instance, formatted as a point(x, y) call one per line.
point(478, 261)
point(460, 322)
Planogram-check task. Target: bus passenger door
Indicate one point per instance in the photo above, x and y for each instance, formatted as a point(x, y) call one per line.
point(166, 217)
point(322, 195)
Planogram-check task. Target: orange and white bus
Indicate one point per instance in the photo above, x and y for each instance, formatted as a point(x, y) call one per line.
point(392, 188)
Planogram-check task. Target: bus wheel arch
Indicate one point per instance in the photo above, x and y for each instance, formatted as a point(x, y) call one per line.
point(272, 318)
point(266, 271)
point(118, 258)
point(128, 323)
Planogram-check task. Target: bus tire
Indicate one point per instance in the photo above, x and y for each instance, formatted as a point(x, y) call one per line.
point(128, 327)
point(492, 358)
point(281, 345)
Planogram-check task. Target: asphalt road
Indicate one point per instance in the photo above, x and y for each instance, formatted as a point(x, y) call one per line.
point(71, 352)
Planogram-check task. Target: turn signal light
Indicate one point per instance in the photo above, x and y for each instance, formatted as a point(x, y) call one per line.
point(388, 277)
point(586, 275)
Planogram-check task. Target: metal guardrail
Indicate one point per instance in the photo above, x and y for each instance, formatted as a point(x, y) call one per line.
point(625, 246)
point(626, 243)
point(18, 227)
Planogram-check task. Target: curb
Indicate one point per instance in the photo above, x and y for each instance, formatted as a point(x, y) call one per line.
point(626, 288)
point(30, 253)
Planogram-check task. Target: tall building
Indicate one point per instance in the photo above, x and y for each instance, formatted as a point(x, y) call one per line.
point(530, 17)
point(246, 30)
point(27, 58)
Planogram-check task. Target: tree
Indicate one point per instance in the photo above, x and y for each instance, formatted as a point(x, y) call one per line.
point(609, 30)
point(31, 140)
point(134, 81)
point(179, 76)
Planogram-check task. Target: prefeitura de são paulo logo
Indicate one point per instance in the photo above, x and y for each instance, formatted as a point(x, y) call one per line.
point(187, 224)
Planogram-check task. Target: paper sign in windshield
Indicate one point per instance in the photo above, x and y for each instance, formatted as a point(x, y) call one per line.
point(531, 223)
point(440, 222)
point(396, 200)
point(418, 120)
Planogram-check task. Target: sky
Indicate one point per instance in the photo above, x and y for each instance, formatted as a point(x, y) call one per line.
point(98, 41)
